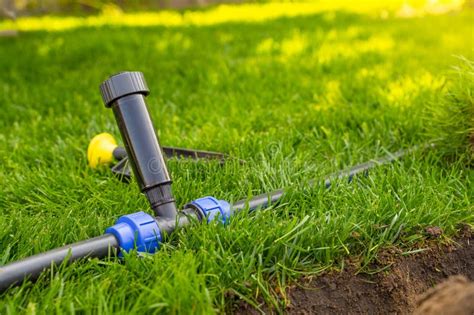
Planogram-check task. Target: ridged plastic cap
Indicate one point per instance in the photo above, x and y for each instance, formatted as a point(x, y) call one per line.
point(121, 84)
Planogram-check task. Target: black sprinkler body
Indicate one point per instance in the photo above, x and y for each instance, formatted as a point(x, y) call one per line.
point(125, 94)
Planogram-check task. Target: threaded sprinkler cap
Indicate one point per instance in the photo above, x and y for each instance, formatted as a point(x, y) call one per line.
point(121, 84)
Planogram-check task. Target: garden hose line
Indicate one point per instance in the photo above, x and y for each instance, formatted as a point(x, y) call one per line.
point(143, 232)
point(125, 93)
point(31, 267)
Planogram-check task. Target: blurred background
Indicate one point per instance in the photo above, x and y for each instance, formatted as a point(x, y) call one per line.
point(14, 8)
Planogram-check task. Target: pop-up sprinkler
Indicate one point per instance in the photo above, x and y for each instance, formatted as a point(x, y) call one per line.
point(125, 94)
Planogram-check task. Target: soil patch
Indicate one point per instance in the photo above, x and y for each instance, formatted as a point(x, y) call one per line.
point(397, 289)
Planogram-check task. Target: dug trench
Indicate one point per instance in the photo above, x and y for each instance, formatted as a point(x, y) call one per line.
point(406, 284)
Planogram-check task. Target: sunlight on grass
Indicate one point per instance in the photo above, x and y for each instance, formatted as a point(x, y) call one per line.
point(381, 72)
point(112, 15)
point(336, 45)
point(293, 46)
point(177, 40)
point(331, 97)
point(266, 46)
point(431, 7)
point(45, 48)
point(331, 50)
point(401, 93)
point(287, 48)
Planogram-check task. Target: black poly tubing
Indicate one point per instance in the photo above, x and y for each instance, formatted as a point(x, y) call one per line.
point(101, 246)
point(32, 267)
point(267, 199)
point(364, 167)
point(120, 153)
point(122, 170)
point(259, 202)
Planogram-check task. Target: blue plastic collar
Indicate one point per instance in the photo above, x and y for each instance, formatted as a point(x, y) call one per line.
point(213, 208)
point(137, 230)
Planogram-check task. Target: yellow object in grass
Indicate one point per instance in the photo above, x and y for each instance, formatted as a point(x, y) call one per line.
point(100, 149)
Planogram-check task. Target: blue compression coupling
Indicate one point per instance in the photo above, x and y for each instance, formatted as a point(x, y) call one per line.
point(137, 230)
point(213, 208)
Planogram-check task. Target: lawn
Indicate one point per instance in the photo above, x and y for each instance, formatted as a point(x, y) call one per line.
point(296, 96)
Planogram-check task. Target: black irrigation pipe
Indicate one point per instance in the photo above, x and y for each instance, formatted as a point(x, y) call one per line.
point(125, 93)
point(266, 199)
point(106, 245)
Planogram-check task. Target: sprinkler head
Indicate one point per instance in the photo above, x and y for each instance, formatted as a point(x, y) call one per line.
point(125, 93)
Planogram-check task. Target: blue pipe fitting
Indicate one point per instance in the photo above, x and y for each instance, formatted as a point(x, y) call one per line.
point(137, 230)
point(213, 209)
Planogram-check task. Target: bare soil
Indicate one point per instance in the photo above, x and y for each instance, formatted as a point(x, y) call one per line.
point(452, 296)
point(408, 283)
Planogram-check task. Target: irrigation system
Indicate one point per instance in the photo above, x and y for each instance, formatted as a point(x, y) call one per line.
point(125, 94)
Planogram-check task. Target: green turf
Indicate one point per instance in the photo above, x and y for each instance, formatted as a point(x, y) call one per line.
point(296, 98)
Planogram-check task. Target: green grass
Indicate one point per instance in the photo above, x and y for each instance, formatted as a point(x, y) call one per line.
point(449, 121)
point(296, 98)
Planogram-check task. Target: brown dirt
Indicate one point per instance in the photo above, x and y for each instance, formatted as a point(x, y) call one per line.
point(452, 296)
point(396, 290)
